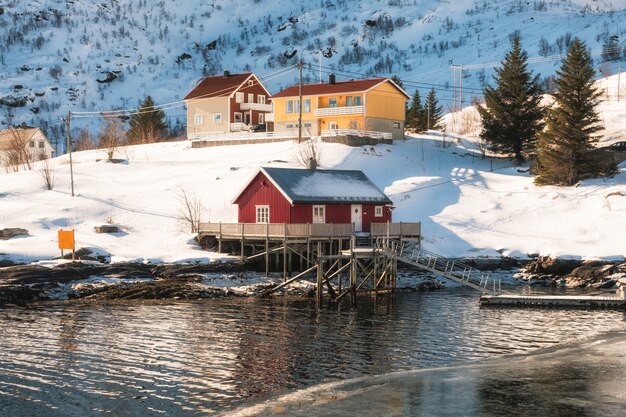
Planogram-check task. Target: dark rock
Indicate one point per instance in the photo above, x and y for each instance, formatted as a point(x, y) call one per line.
point(6, 262)
point(110, 76)
point(212, 45)
point(183, 57)
point(552, 266)
point(370, 22)
point(11, 232)
point(107, 228)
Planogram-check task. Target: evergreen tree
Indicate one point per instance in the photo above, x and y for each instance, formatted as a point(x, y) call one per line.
point(433, 112)
point(564, 149)
point(512, 117)
point(148, 124)
point(414, 114)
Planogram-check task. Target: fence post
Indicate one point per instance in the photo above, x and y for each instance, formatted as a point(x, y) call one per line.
point(219, 240)
point(243, 238)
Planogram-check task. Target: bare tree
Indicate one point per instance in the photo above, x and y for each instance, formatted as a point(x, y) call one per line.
point(112, 135)
point(308, 153)
point(84, 141)
point(190, 210)
point(16, 153)
point(47, 174)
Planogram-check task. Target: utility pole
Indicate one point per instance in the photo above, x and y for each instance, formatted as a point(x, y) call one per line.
point(69, 149)
point(619, 74)
point(454, 88)
point(461, 86)
point(300, 109)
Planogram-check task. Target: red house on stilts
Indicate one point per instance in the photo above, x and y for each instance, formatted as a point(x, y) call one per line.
point(287, 195)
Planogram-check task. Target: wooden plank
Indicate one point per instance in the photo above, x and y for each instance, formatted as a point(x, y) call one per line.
point(284, 284)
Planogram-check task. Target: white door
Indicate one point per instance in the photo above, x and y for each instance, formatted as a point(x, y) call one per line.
point(357, 217)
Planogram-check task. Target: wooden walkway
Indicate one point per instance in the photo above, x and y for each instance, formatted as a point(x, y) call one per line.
point(554, 301)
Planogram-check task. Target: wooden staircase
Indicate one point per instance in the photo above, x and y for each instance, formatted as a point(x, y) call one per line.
point(447, 268)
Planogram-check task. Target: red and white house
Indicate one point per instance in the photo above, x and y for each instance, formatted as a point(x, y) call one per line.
point(226, 103)
point(287, 195)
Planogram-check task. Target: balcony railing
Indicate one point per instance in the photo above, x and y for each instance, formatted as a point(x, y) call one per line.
point(315, 230)
point(243, 136)
point(355, 132)
point(339, 111)
point(256, 107)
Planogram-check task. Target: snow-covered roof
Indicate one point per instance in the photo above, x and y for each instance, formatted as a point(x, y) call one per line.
point(324, 186)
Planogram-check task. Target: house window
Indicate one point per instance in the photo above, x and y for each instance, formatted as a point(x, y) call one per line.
point(40, 145)
point(32, 144)
point(396, 125)
point(237, 117)
point(357, 101)
point(349, 101)
point(332, 125)
point(306, 106)
point(354, 124)
point(262, 214)
point(332, 102)
point(378, 211)
point(261, 99)
point(239, 97)
point(307, 124)
point(319, 214)
point(197, 119)
point(250, 98)
point(289, 126)
point(217, 118)
point(289, 106)
point(250, 83)
point(261, 118)
point(296, 104)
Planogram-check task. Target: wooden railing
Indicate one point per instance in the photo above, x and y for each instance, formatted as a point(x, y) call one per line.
point(278, 230)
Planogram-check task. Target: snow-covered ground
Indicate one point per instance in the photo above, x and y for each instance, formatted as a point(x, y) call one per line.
point(468, 206)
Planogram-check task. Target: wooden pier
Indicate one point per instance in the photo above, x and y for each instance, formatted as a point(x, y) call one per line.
point(554, 301)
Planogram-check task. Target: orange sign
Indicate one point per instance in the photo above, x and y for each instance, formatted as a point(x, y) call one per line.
point(66, 239)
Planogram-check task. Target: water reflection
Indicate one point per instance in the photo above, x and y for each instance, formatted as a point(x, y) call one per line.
point(75, 359)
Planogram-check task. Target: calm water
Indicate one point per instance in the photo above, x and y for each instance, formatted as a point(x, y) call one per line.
point(210, 356)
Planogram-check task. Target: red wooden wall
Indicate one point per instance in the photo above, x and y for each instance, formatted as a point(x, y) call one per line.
point(255, 89)
point(261, 191)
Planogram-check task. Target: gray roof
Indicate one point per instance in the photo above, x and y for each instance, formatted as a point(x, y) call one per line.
point(325, 186)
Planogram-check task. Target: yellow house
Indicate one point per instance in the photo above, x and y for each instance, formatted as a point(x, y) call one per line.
point(372, 108)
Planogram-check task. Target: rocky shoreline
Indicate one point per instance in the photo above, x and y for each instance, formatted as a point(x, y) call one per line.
point(92, 280)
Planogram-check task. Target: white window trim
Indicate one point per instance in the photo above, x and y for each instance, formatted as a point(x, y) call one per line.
point(378, 211)
point(198, 119)
point(260, 99)
point(289, 103)
point(259, 210)
point(250, 98)
point(250, 83)
point(217, 118)
point(306, 105)
point(239, 97)
point(240, 117)
point(321, 210)
point(261, 118)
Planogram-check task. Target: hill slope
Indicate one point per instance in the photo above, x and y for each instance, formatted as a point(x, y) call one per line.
point(79, 55)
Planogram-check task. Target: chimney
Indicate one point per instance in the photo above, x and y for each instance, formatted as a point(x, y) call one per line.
point(226, 73)
point(331, 79)
point(312, 165)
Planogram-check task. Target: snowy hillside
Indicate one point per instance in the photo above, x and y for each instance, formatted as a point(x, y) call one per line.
point(79, 55)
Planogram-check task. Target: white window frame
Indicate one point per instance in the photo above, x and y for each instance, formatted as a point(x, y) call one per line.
point(289, 106)
point(289, 125)
point(349, 101)
point(260, 99)
point(198, 119)
point(250, 98)
point(319, 214)
point(378, 211)
point(239, 97)
point(357, 101)
point(217, 118)
point(308, 124)
point(332, 102)
point(250, 83)
point(396, 125)
point(238, 115)
point(261, 118)
point(262, 214)
point(41, 145)
point(306, 105)
point(32, 143)
point(333, 125)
